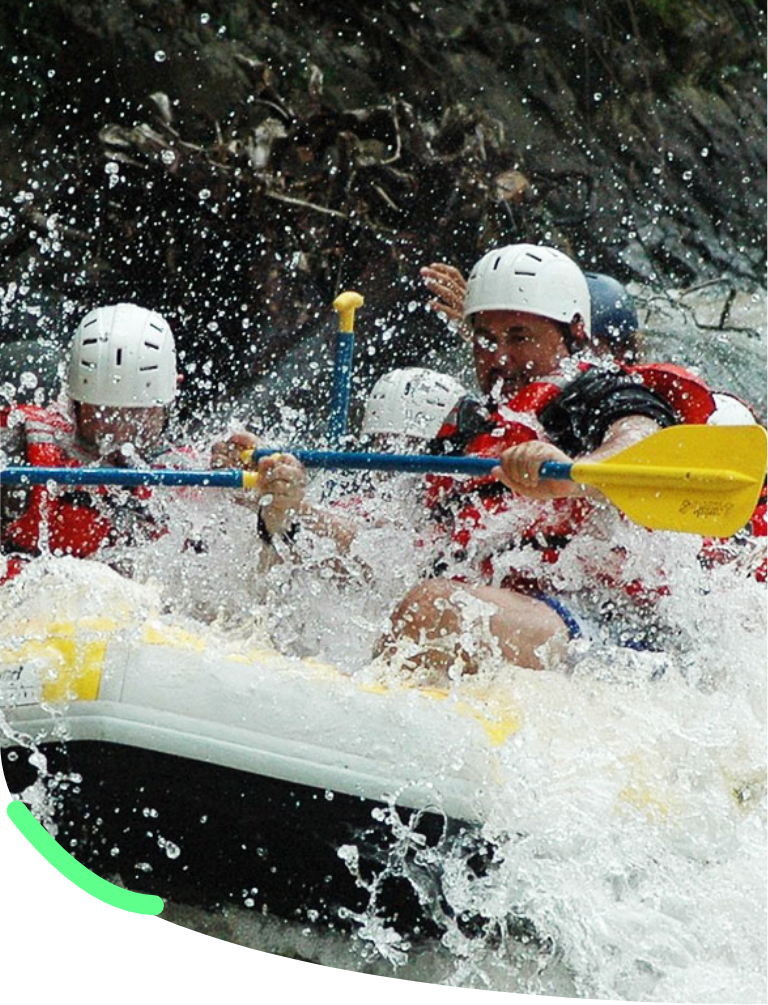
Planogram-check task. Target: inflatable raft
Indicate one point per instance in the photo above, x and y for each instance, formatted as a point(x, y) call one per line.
point(210, 770)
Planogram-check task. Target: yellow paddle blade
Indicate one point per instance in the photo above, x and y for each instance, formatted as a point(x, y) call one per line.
point(698, 479)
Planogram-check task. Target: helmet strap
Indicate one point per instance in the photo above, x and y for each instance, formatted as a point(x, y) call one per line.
point(574, 340)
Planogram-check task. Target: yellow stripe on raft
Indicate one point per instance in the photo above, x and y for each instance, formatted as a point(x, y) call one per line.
point(177, 638)
point(73, 666)
point(80, 676)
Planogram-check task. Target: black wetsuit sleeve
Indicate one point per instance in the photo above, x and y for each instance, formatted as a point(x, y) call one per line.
point(468, 419)
point(580, 416)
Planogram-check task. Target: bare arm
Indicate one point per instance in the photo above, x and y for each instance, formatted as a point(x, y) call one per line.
point(279, 497)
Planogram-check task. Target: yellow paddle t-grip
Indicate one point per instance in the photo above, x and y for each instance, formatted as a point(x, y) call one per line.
point(345, 305)
point(251, 478)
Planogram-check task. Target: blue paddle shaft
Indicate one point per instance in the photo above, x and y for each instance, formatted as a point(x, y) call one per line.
point(329, 459)
point(413, 463)
point(130, 477)
point(342, 382)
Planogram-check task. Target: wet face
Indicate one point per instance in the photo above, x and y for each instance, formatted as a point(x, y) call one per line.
point(513, 348)
point(120, 431)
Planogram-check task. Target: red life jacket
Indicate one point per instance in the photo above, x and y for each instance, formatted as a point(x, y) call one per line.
point(759, 528)
point(468, 503)
point(74, 522)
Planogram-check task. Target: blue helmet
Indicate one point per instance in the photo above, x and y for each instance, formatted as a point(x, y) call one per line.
point(614, 318)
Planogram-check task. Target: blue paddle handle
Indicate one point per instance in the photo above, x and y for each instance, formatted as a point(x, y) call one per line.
point(342, 383)
point(339, 460)
point(330, 459)
point(130, 477)
point(414, 463)
point(556, 471)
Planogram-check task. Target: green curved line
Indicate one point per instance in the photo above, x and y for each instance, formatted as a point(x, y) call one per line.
point(75, 872)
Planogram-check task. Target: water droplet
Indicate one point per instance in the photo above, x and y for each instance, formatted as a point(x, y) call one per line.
point(171, 850)
point(598, 96)
point(203, 194)
point(112, 167)
point(168, 156)
point(205, 18)
point(687, 175)
point(160, 56)
point(705, 151)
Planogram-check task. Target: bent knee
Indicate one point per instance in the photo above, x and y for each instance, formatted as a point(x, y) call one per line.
point(424, 599)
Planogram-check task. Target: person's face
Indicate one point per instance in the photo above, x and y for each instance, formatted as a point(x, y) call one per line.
point(111, 429)
point(512, 348)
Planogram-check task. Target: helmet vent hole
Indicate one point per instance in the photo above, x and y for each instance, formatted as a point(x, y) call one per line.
point(119, 357)
point(522, 272)
point(151, 345)
point(534, 257)
point(91, 322)
point(143, 369)
point(496, 263)
point(89, 341)
point(156, 327)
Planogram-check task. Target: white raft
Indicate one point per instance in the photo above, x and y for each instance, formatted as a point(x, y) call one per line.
point(160, 687)
point(87, 662)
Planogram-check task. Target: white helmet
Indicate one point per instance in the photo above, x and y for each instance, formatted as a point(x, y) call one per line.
point(123, 356)
point(530, 278)
point(729, 411)
point(411, 402)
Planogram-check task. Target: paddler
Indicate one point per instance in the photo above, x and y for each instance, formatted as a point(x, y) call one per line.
point(550, 397)
point(121, 383)
point(411, 409)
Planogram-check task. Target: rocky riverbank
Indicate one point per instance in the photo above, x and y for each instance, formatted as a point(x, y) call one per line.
point(235, 164)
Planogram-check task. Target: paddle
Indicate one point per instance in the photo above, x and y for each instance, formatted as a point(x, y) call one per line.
point(697, 479)
point(345, 304)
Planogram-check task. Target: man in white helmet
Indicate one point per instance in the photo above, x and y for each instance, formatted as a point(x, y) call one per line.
point(122, 380)
point(407, 408)
point(528, 310)
point(121, 383)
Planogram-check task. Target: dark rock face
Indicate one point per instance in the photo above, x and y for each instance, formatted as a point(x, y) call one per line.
point(234, 165)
